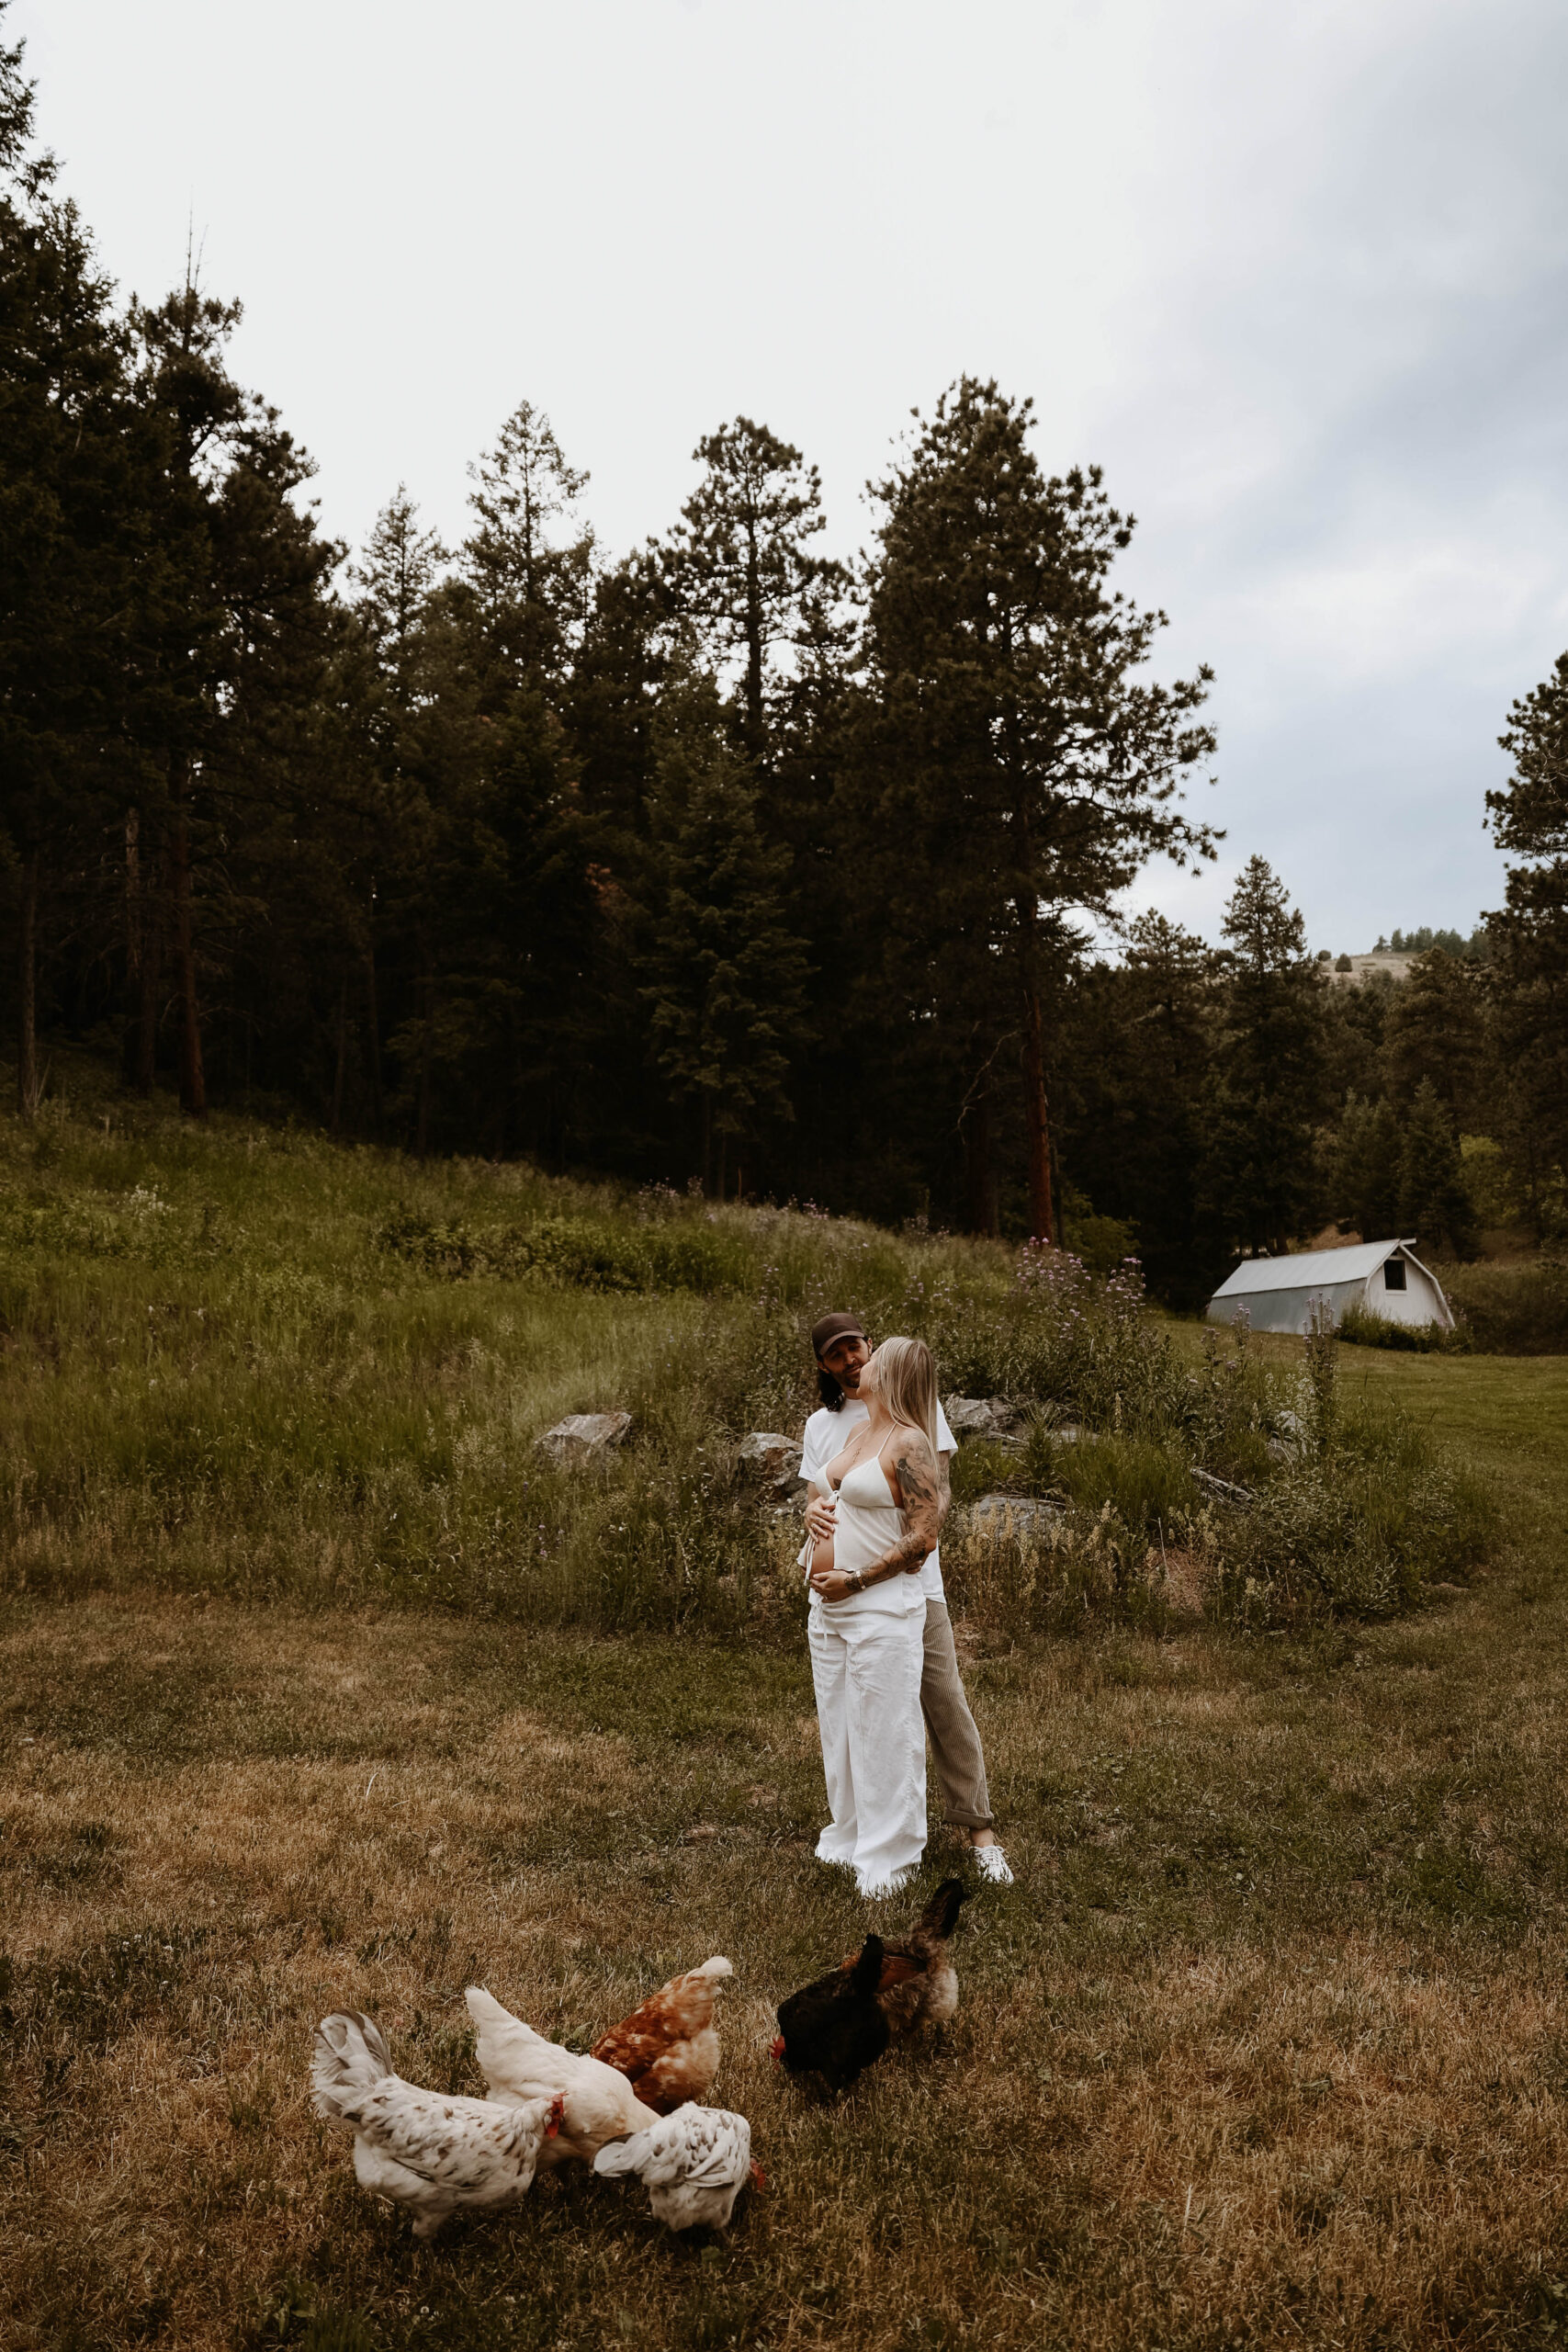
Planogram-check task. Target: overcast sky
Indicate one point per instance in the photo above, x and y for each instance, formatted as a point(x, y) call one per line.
point(1296, 276)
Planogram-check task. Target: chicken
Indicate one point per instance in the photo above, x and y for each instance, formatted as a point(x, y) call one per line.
point(435, 2155)
point(692, 2163)
point(519, 2064)
point(919, 1984)
point(668, 2049)
point(836, 2027)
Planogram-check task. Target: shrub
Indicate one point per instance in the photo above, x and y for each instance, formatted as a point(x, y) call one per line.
point(1362, 1514)
point(1360, 1532)
point(1515, 1311)
point(1078, 1568)
point(1063, 1338)
point(576, 1253)
point(1232, 1408)
point(1359, 1326)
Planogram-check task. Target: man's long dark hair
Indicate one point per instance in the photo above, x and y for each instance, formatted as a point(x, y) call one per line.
point(831, 1394)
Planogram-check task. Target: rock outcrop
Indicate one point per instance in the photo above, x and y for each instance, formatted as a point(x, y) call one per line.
point(583, 1437)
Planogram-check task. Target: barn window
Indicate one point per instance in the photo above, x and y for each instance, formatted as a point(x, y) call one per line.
point(1394, 1274)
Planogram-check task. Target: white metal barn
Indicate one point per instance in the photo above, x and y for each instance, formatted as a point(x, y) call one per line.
point(1384, 1277)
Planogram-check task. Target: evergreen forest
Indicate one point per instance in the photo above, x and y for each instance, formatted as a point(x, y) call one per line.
point(717, 864)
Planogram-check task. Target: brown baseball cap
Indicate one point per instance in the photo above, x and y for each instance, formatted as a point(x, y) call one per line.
point(830, 1328)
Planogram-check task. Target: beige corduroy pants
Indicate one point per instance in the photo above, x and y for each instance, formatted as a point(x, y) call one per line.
point(956, 1743)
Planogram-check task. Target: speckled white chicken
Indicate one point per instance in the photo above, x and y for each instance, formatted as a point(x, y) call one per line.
point(693, 2164)
point(599, 2105)
point(437, 2155)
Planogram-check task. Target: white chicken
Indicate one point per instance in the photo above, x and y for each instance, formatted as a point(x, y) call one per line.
point(436, 2156)
point(517, 2063)
point(693, 2164)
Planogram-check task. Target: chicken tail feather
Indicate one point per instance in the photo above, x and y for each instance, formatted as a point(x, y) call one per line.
point(866, 1974)
point(940, 1915)
point(621, 2155)
point(349, 2057)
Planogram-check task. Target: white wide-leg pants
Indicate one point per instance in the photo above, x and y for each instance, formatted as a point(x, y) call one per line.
point(866, 1670)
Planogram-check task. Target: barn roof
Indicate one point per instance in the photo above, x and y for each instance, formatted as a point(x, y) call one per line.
point(1312, 1269)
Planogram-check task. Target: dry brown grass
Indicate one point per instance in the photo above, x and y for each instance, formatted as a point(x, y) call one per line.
point(1268, 2046)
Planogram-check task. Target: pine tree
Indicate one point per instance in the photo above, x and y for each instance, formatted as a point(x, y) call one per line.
point(1530, 938)
point(1267, 1094)
point(1363, 1177)
point(236, 635)
point(612, 697)
point(1012, 764)
point(1433, 1202)
point(395, 577)
point(1436, 1029)
point(68, 555)
point(527, 561)
point(740, 562)
point(722, 974)
point(1136, 1050)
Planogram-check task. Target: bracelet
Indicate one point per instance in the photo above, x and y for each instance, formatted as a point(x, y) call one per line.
point(857, 1579)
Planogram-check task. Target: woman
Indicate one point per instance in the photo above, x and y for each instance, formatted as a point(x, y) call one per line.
point(840, 1348)
point(867, 1620)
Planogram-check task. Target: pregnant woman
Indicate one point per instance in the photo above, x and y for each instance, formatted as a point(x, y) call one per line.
point(867, 1621)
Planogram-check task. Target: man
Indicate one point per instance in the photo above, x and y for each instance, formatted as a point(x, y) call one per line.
point(841, 1349)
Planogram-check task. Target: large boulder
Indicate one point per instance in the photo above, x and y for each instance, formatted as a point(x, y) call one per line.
point(773, 1461)
point(1026, 1516)
point(979, 1416)
point(583, 1437)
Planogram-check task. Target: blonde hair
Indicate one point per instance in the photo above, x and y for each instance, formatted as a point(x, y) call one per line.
point(906, 1378)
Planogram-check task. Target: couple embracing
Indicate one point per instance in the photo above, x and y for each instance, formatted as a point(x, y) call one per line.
point(882, 1661)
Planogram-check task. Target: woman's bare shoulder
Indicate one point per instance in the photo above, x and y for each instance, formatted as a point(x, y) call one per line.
point(913, 1442)
point(921, 1470)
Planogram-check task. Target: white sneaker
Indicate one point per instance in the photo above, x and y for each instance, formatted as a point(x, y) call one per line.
point(992, 1864)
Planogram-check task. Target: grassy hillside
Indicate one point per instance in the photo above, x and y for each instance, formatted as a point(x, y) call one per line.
point(240, 1360)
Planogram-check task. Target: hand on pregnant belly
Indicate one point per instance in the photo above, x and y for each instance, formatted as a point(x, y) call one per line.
point(832, 1584)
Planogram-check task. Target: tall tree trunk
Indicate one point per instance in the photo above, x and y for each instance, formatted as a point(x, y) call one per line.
point(980, 1174)
point(421, 1123)
point(149, 988)
point(134, 940)
point(373, 1013)
point(193, 1083)
point(1041, 1207)
point(27, 993)
point(342, 1052)
point(754, 642)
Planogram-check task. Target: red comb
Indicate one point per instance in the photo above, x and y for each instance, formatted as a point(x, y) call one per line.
point(758, 2175)
point(778, 2047)
point(557, 2116)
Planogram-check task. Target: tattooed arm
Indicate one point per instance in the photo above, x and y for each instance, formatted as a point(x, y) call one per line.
point(923, 1498)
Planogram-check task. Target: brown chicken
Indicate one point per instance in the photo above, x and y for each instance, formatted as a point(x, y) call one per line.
point(919, 1984)
point(668, 2049)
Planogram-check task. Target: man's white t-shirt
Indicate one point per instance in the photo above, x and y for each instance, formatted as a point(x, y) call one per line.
point(826, 1435)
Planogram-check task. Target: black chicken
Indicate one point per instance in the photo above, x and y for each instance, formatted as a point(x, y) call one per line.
point(836, 2027)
